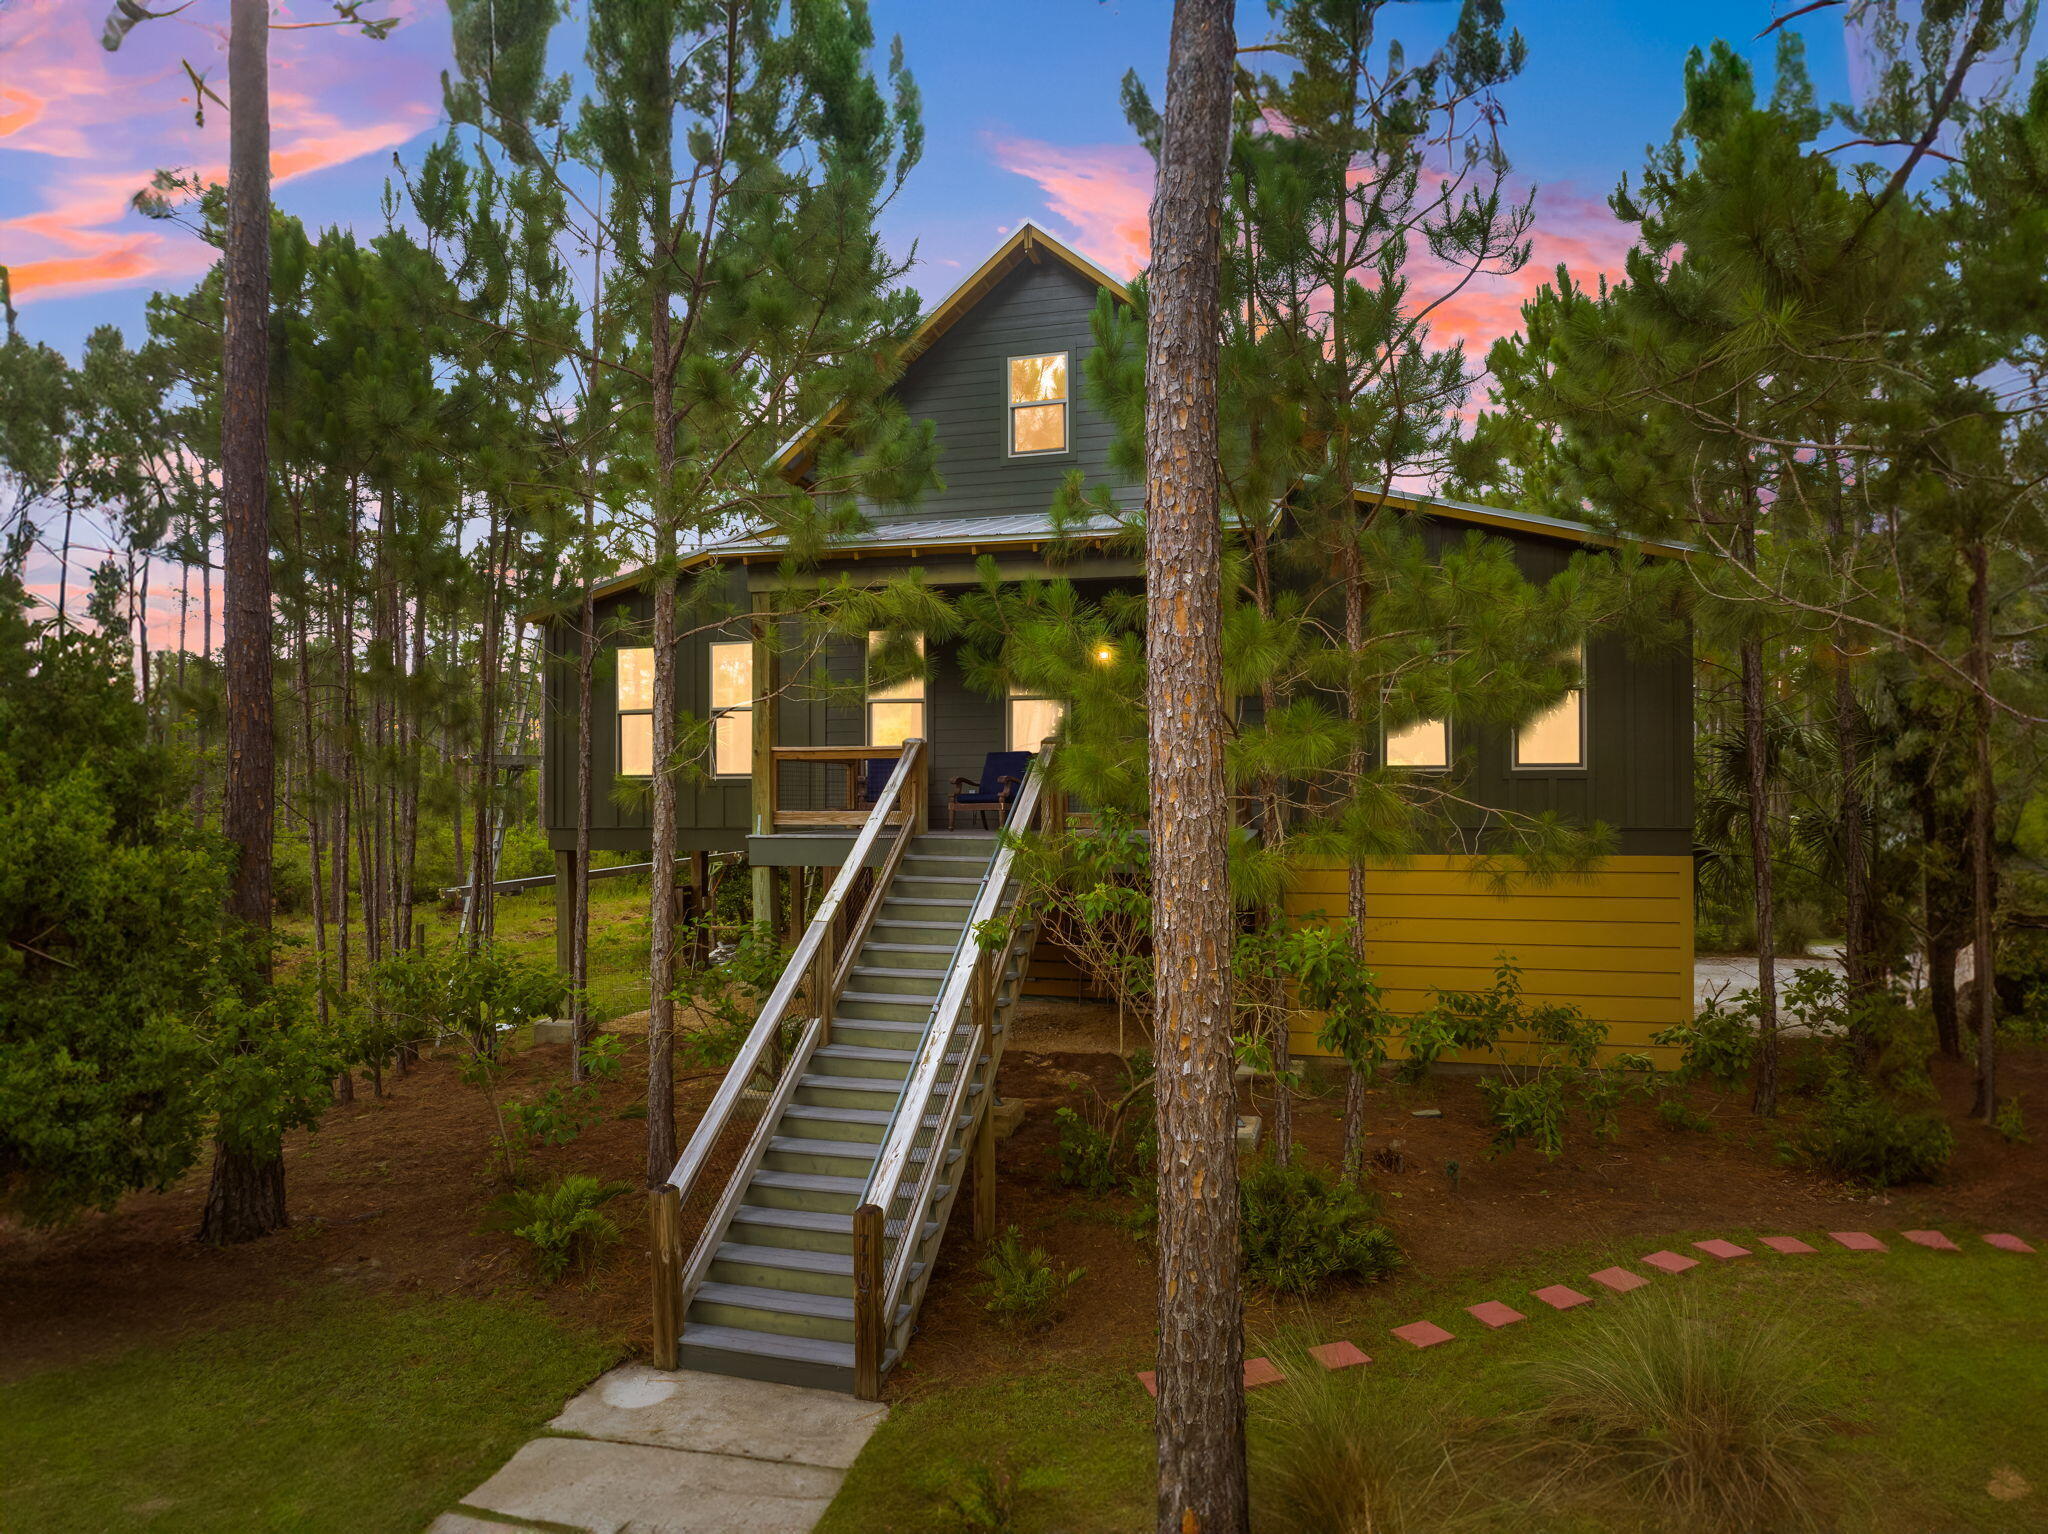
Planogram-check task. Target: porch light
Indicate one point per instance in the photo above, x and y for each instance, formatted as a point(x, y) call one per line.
point(1104, 654)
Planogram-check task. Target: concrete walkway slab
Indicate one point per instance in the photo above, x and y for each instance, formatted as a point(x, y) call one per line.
point(643, 1451)
point(609, 1488)
point(711, 1414)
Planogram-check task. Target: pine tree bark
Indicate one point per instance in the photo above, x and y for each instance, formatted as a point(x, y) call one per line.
point(586, 797)
point(246, 1196)
point(1856, 957)
point(1201, 1448)
point(1764, 1101)
point(661, 948)
point(1983, 807)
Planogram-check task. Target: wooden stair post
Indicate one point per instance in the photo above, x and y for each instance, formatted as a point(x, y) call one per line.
point(869, 1334)
point(664, 1232)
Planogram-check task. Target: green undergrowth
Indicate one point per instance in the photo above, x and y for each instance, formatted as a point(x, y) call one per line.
point(1925, 1365)
point(333, 1411)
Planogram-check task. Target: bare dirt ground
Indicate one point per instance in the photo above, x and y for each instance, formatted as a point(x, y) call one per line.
point(392, 1195)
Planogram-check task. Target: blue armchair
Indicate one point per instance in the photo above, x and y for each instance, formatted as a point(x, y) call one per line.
point(1001, 772)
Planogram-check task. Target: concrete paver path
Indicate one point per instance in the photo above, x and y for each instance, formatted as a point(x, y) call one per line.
point(647, 1452)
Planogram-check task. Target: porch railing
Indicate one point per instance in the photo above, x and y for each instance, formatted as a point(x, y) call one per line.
point(820, 762)
point(963, 1022)
point(732, 1136)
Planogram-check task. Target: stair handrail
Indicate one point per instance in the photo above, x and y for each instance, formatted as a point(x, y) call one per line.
point(914, 1103)
point(673, 1279)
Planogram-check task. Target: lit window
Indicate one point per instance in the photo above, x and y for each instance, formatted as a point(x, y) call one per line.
point(1034, 718)
point(1557, 736)
point(895, 712)
point(732, 708)
point(636, 713)
point(1038, 404)
point(1426, 743)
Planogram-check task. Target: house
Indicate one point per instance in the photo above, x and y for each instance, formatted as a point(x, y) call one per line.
point(811, 1264)
point(997, 369)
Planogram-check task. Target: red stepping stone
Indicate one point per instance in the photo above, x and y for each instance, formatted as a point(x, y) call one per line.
point(1149, 1378)
point(1495, 1314)
point(1563, 1297)
point(2007, 1243)
point(1670, 1262)
point(1260, 1371)
point(1340, 1355)
point(1791, 1246)
point(1620, 1280)
point(1722, 1249)
point(1858, 1240)
point(1423, 1334)
point(1934, 1240)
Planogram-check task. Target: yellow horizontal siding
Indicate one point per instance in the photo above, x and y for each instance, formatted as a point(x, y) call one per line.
point(1617, 943)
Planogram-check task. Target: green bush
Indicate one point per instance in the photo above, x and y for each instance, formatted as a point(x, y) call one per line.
point(1714, 1416)
point(1116, 1142)
point(561, 1222)
point(1861, 1137)
point(1300, 1229)
point(2010, 1122)
point(1719, 1043)
point(1024, 1290)
point(1681, 1117)
point(1332, 1455)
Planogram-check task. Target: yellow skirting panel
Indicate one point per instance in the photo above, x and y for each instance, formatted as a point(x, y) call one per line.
point(1616, 943)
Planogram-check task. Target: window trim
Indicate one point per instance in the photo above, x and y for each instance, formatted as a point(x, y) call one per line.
point(1450, 748)
point(620, 715)
point(1065, 402)
point(719, 712)
point(1560, 769)
point(869, 700)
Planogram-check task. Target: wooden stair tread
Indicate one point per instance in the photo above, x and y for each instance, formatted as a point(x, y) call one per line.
point(787, 1302)
point(806, 1350)
point(820, 1221)
point(794, 1259)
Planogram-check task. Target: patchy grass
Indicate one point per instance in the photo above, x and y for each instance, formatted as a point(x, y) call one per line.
point(337, 1411)
point(526, 926)
point(1927, 1365)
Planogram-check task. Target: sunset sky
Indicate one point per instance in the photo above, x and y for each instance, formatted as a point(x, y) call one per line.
point(1020, 101)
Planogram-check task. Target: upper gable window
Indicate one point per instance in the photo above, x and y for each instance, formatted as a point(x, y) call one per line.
point(1038, 404)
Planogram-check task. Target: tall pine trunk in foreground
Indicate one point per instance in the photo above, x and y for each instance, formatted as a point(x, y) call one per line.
point(246, 1197)
point(1201, 1325)
point(1983, 804)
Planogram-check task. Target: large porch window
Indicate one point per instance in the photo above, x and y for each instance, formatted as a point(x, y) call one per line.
point(732, 708)
point(636, 713)
point(1424, 745)
point(895, 711)
point(1032, 718)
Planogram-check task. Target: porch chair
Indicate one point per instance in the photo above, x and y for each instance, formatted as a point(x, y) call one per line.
point(1001, 772)
point(874, 777)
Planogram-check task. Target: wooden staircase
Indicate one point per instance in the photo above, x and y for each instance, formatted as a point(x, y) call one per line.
point(813, 1259)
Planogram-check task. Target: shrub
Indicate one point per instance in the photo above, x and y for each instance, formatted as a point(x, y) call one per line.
point(561, 1222)
point(1864, 1138)
point(1719, 1043)
point(984, 1500)
point(1116, 1141)
point(1681, 1117)
point(1713, 1417)
point(1330, 1455)
point(726, 993)
point(2010, 1122)
point(1024, 1291)
point(1301, 1229)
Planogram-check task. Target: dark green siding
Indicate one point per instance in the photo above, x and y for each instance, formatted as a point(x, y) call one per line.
point(960, 385)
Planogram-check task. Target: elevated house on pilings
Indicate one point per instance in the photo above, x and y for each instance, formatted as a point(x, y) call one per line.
point(807, 1261)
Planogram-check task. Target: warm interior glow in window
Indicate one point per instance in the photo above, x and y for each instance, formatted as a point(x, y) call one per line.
point(1557, 736)
point(636, 712)
point(1426, 743)
point(732, 708)
point(895, 711)
point(1038, 408)
point(1033, 719)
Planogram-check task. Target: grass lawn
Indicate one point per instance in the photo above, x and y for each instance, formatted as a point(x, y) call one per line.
point(336, 1411)
point(1931, 1363)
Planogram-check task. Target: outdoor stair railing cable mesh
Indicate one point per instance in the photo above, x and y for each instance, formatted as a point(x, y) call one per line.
point(964, 1012)
point(731, 1138)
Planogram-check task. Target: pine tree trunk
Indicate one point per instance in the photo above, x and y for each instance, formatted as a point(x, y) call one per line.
point(1201, 1446)
point(1856, 957)
point(1765, 1100)
point(246, 1197)
point(1983, 808)
point(586, 797)
point(661, 956)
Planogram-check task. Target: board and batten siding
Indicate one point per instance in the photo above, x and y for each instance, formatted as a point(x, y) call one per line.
point(961, 385)
point(1617, 943)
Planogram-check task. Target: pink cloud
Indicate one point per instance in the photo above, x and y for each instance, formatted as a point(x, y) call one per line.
point(1101, 192)
point(89, 128)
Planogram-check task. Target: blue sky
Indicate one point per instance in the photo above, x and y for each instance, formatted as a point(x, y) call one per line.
point(1020, 104)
